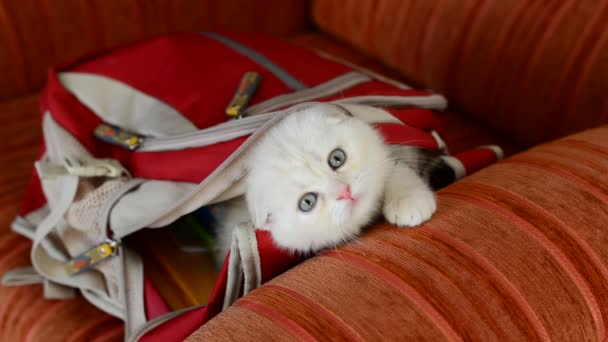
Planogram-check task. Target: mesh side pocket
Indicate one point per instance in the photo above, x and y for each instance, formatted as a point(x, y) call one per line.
point(83, 231)
point(84, 213)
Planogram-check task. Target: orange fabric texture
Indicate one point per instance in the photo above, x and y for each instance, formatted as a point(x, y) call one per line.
point(517, 251)
point(35, 35)
point(534, 70)
point(21, 132)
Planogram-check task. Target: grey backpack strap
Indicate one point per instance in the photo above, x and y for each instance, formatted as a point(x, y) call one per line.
point(43, 248)
point(21, 276)
point(53, 290)
point(28, 276)
point(244, 268)
point(50, 265)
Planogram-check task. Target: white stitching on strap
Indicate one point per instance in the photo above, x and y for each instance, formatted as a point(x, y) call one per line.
point(250, 257)
point(235, 274)
point(243, 264)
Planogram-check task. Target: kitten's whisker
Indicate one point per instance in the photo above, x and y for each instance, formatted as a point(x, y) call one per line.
point(357, 241)
point(411, 158)
point(408, 142)
point(412, 154)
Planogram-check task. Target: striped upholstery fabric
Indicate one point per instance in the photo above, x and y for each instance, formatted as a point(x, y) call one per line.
point(517, 251)
point(21, 133)
point(534, 70)
point(65, 29)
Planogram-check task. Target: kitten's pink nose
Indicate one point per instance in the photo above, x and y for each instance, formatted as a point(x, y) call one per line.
point(346, 194)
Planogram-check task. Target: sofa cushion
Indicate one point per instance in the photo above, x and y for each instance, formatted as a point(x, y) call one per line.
point(66, 29)
point(21, 133)
point(533, 70)
point(516, 251)
point(463, 133)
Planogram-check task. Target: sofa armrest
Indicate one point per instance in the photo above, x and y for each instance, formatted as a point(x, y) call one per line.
point(531, 70)
point(35, 35)
point(21, 134)
point(517, 251)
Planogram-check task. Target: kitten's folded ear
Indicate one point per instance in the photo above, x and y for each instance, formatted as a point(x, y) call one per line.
point(337, 113)
point(344, 110)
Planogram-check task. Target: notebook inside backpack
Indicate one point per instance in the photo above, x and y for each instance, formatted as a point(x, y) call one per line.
point(185, 272)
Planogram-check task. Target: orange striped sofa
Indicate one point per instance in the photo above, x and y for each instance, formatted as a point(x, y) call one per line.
point(517, 251)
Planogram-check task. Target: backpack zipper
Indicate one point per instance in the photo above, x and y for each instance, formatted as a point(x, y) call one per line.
point(328, 88)
point(258, 115)
point(223, 132)
point(248, 125)
point(254, 117)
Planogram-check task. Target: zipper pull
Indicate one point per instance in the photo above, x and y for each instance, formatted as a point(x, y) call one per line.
point(118, 136)
point(92, 257)
point(92, 167)
point(83, 167)
point(248, 85)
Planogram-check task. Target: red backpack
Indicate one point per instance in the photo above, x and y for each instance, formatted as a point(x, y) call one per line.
point(146, 135)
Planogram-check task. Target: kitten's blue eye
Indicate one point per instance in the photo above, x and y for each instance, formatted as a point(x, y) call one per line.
point(307, 202)
point(336, 158)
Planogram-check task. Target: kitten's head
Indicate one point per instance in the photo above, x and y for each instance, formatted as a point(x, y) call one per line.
point(317, 178)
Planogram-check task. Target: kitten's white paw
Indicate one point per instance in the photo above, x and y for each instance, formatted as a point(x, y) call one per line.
point(409, 210)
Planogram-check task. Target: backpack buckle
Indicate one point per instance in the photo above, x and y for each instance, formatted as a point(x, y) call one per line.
point(84, 167)
point(90, 167)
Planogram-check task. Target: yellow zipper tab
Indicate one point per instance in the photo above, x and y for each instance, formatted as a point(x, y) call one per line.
point(92, 257)
point(247, 87)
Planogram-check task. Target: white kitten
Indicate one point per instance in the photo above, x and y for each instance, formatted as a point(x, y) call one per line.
point(318, 177)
